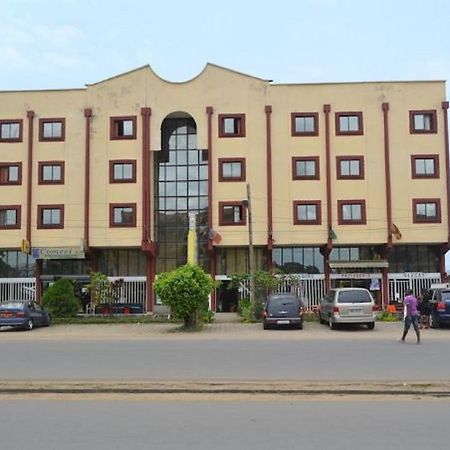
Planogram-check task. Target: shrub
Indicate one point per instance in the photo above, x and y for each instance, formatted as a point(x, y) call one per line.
point(59, 299)
point(186, 291)
point(385, 316)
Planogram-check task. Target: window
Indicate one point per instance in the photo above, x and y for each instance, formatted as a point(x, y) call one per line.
point(305, 168)
point(231, 169)
point(122, 171)
point(122, 215)
point(304, 124)
point(423, 122)
point(350, 167)
point(232, 213)
point(9, 217)
point(11, 130)
point(426, 210)
point(231, 125)
point(351, 212)
point(425, 166)
point(10, 173)
point(52, 129)
point(349, 123)
point(50, 216)
point(123, 127)
point(51, 172)
point(307, 212)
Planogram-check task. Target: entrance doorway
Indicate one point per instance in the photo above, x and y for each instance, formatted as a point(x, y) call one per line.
point(227, 297)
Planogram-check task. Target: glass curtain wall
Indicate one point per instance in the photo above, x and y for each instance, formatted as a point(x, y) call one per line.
point(181, 187)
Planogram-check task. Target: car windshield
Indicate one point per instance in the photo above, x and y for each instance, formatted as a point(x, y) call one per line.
point(12, 305)
point(354, 297)
point(283, 303)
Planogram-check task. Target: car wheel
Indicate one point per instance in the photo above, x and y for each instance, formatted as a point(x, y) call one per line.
point(29, 325)
point(371, 325)
point(49, 320)
point(265, 326)
point(300, 326)
point(331, 324)
point(434, 322)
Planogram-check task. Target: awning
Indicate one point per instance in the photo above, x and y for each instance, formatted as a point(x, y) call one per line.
point(381, 263)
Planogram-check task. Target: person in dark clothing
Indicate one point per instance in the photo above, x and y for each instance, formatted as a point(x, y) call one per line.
point(425, 309)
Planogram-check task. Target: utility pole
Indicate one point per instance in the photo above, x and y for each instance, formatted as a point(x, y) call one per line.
point(251, 253)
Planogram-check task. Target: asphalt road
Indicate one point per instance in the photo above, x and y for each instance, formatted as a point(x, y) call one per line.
point(206, 425)
point(320, 360)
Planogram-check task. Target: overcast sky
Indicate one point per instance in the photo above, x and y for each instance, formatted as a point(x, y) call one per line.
point(67, 43)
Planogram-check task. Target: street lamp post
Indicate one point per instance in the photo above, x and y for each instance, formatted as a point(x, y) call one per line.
point(248, 204)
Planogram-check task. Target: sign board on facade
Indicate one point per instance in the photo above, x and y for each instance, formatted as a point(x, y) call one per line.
point(57, 253)
point(357, 275)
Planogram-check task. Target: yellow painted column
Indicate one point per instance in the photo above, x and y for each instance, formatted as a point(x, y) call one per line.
point(192, 240)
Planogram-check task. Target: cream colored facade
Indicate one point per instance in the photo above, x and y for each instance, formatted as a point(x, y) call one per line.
point(225, 91)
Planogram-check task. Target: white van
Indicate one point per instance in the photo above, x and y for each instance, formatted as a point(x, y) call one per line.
point(348, 305)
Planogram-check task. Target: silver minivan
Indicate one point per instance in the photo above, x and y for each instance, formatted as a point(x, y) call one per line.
point(348, 305)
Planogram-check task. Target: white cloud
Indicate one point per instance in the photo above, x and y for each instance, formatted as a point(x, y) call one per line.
point(58, 35)
point(11, 57)
point(58, 60)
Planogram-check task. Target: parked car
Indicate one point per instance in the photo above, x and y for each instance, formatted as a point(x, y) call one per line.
point(348, 305)
point(440, 305)
point(25, 315)
point(283, 310)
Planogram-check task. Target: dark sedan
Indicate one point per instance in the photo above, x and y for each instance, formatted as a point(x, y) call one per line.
point(24, 315)
point(283, 310)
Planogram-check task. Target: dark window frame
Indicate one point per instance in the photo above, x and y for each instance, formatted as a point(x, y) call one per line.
point(418, 201)
point(316, 161)
point(44, 121)
point(113, 162)
point(43, 164)
point(431, 112)
point(358, 132)
point(19, 175)
point(316, 203)
point(113, 128)
point(414, 173)
point(223, 205)
point(342, 221)
point(223, 161)
point(113, 206)
point(12, 121)
point(340, 159)
point(40, 222)
point(236, 116)
point(314, 115)
point(18, 223)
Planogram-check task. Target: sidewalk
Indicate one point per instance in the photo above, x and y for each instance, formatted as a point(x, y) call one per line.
point(226, 330)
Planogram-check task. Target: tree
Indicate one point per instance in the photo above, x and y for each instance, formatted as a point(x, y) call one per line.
point(102, 290)
point(265, 283)
point(60, 300)
point(186, 291)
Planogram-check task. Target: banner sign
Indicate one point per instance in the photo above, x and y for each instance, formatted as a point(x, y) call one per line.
point(57, 253)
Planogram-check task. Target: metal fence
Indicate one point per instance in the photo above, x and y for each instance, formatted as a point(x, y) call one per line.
point(17, 289)
point(309, 287)
point(399, 283)
point(132, 290)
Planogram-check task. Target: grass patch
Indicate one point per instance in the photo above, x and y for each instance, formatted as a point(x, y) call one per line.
point(105, 320)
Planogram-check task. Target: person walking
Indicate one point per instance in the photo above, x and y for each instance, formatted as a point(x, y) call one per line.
point(411, 315)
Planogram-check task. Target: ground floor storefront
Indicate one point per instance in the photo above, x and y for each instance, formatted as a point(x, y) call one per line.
point(387, 276)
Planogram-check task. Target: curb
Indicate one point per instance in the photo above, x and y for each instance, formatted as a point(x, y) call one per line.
point(423, 389)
